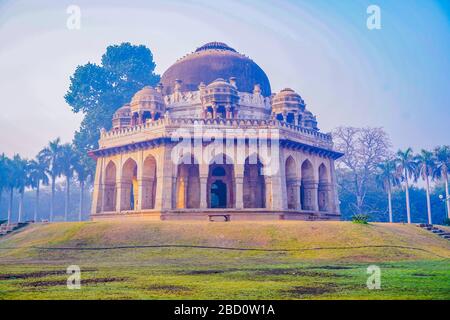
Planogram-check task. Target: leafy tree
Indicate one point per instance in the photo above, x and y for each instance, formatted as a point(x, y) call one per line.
point(38, 175)
point(426, 166)
point(387, 176)
point(51, 155)
point(99, 90)
point(442, 155)
point(66, 163)
point(363, 149)
point(407, 167)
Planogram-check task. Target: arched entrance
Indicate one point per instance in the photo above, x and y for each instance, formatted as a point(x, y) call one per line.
point(188, 184)
point(109, 194)
point(308, 186)
point(292, 185)
point(218, 194)
point(149, 183)
point(254, 184)
point(130, 191)
point(221, 184)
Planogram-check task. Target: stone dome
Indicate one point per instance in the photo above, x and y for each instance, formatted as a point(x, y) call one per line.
point(123, 112)
point(212, 61)
point(147, 98)
point(287, 99)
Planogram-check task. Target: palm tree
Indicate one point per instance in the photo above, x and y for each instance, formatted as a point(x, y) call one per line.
point(388, 177)
point(38, 175)
point(3, 176)
point(22, 181)
point(14, 169)
point(51, 155)
point(67, 161)
point(407, 167)
point(426, 166)
point(442, 155)
point(84, 169)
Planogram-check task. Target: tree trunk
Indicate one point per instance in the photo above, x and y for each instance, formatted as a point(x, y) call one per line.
point(390, 202)
point(408, 210)
point(11, 198)
point(66, 205)
point(21, 206)
point(428, 200)
point(447, 196)
point(80, 214)
point(52, 201)
point(36, 204)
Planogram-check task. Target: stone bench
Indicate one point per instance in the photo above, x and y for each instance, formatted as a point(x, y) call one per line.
point(225, 216)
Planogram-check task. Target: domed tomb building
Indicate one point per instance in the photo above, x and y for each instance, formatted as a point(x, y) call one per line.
point(212, 140)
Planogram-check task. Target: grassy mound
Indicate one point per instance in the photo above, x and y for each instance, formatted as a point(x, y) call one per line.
point(239, 260)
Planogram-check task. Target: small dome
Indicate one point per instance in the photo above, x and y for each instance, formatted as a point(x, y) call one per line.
point(288, 95)
point(287, 100)
point(122, 117)
point(146, 94)
point(123, 112)
point(220, 83)
point(147, 99)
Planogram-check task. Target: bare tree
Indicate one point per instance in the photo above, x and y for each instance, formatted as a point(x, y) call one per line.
point(364, 149)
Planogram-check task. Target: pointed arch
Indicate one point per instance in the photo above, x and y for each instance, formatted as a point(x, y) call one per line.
point(323, 188)
point(149, 182)
point(308, 189)
point(129, 185)
point(254, 183)
point(221, 184)
point(110, 190)
point(291, 183)
point(188, 183)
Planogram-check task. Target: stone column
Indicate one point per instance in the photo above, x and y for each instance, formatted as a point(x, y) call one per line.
point(140, 181)
point(203, 168)
point(310, 197)
point(119, 186)
point(97, 195)
point(323, 196)
point(163, 199)
point(297, 185)
point(333, 196)
point(239, 179)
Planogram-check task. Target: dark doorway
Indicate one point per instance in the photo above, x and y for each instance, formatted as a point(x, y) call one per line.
point(218, 194)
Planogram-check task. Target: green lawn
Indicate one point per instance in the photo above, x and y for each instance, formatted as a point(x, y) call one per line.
point(315, 260)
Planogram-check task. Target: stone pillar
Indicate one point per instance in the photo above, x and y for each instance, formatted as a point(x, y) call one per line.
point(97, 195)
point(333, 196)
point(297, 184)
point(119, 186)
point(203, 168)
point(239, 179)
point(140, 181)
point(310, 196)
point(163, 199)
point(324, 196)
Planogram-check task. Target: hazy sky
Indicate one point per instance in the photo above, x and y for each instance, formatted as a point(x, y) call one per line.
point(397, 77)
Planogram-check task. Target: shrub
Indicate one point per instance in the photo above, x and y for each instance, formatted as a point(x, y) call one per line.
point(360, 218)
point(446, 222)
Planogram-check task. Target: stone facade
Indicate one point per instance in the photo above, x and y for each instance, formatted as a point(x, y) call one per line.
point(216, 150)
